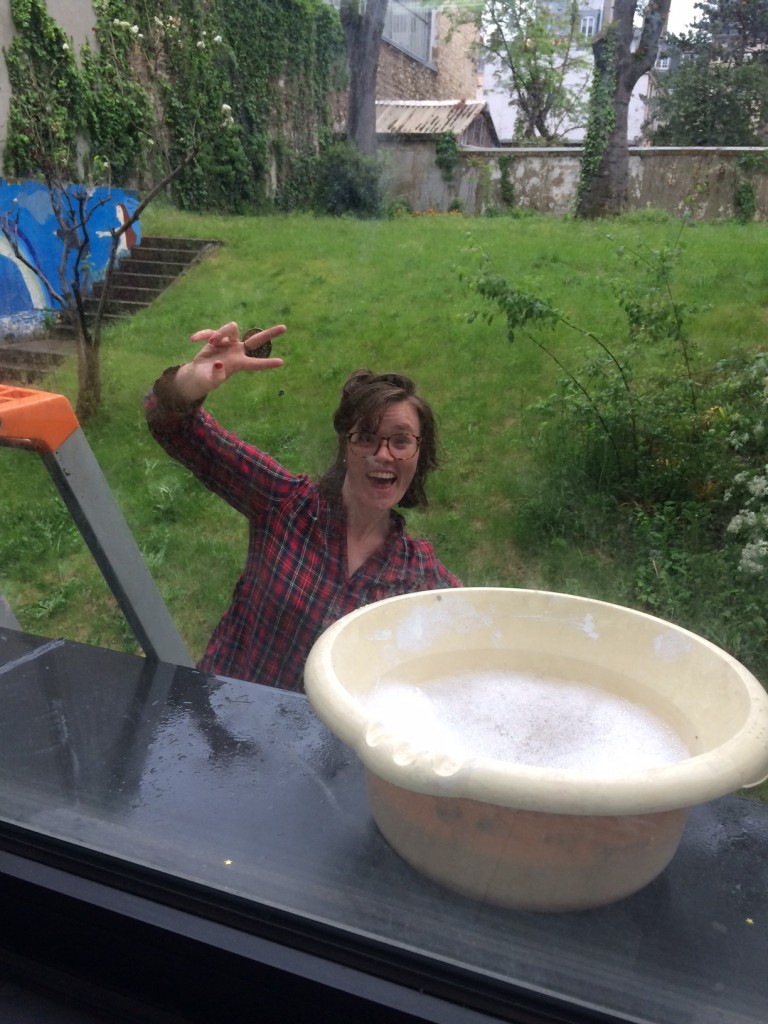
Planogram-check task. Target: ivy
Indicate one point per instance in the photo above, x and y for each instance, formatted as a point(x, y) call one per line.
point(602, 114)
point(745, 194)
point(46, 94)
point(247, 82)
point(447, 154)
point(506, 185)
point(118, 116)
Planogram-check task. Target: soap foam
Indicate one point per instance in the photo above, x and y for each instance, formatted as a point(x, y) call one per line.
point(523, 718)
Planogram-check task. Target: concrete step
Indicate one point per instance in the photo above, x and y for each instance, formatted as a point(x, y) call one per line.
point(26, 361)
point(140, 277)
point(128, 297)
point(156, 275)
point(179, 251)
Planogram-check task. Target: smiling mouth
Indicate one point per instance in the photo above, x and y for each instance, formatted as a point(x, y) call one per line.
point(382, 478)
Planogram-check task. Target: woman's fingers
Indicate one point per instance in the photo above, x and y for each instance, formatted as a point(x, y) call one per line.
point(228, 334)
point(257, 348)
point(257, 341)
point(229, 353)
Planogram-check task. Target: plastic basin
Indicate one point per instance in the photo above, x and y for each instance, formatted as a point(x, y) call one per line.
point(533, 836)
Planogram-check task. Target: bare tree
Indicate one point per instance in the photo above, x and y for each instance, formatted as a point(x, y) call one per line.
point(617, 70)
point(363, 24)
point(74, 208)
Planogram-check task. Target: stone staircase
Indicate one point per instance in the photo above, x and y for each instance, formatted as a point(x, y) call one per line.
point(140, 277)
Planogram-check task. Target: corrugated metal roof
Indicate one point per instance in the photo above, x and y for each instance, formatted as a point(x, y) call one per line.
point(426, 117)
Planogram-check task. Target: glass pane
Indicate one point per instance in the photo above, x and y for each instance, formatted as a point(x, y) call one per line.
point(239, 788)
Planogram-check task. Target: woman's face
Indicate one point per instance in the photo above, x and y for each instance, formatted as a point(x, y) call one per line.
point(377, 482)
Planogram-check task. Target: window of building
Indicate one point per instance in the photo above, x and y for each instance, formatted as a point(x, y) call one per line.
point(408, 26)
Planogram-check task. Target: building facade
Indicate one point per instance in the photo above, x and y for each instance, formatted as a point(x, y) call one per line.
point(423, 57)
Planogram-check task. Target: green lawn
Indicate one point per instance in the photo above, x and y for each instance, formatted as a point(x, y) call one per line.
point(390, 295)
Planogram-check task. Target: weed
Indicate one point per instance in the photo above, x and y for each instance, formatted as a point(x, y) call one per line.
point(55, 599)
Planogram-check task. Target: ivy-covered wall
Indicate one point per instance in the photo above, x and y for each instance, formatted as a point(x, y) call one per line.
point(246, 82)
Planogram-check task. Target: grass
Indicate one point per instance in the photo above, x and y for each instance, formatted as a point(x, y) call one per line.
point(388, 295)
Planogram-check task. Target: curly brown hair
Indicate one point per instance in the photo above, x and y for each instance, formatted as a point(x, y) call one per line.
point(364, 400)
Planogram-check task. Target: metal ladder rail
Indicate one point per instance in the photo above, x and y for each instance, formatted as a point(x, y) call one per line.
point(46, 423)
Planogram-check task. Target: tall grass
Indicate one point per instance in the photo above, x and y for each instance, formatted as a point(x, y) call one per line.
point(389, 295)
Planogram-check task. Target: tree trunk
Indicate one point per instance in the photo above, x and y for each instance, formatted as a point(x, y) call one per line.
point(617, 70)
point(363, 24)
point(88, 379)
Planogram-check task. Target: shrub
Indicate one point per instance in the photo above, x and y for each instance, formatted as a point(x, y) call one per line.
point(669, 469)
point(399, 207)
point(745, 202)
point(348, 183)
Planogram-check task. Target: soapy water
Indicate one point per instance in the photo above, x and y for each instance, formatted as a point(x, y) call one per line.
point(521, 718)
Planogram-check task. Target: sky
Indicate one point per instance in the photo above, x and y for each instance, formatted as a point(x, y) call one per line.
point(681, 14)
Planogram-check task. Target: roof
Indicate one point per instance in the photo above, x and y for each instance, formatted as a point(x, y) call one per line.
point(426, 117)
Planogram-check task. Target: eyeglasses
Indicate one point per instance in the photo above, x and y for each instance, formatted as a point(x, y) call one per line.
point(400, 446)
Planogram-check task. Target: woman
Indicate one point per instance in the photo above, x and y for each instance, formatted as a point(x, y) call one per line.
point(316, 550)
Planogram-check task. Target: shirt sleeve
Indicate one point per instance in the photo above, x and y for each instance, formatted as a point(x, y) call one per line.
point(445, 579)
point(421, 567)
point(244, 476)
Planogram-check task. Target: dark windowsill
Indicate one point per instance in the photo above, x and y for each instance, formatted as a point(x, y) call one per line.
point(156, 817)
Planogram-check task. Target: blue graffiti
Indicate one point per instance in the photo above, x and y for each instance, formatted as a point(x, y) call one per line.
point(32, 241)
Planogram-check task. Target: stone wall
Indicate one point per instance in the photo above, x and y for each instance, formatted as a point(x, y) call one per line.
point(672, 179)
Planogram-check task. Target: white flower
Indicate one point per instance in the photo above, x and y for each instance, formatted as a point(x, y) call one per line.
point(135, 29)
point(225, 108)
point(758, 486)
point(200, 44)
point(754, 557)
point(217, 39)
point(65, 46)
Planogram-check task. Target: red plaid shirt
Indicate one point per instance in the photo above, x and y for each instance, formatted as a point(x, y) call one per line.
point(294, 583)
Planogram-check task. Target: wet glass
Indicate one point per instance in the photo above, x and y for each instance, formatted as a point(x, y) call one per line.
point(230, 788)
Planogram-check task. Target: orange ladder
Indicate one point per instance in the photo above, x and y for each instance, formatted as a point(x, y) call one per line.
point(46, 423)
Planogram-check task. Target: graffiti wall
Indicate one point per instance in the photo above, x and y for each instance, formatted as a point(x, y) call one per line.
point(32, 242)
